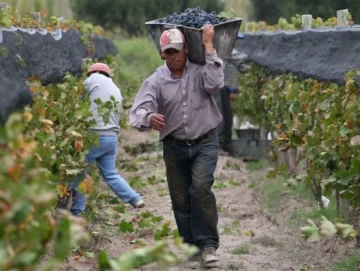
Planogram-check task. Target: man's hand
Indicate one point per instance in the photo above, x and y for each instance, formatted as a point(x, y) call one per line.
point(207, 37)
point(157, 121)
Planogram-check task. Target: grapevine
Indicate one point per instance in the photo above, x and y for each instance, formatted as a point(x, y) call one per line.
point(319, 118)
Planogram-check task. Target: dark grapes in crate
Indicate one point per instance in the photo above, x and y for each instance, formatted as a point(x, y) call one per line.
point(189, 22)
point(193, 17)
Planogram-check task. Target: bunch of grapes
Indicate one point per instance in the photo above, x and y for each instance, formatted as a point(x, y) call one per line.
point(193, 17)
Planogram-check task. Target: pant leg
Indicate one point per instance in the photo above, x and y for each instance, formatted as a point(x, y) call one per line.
point(227, 116)
point(106, 164)
point(178, 173)
point(204, 215)
point(78, 199)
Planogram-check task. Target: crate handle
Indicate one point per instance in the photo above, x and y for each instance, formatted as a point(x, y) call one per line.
point(169, 26)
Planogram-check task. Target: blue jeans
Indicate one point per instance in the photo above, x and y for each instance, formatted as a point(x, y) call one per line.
point(105, 155)
point(190, 175)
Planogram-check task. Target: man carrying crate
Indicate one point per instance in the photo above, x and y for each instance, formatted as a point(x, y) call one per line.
point(178, 101)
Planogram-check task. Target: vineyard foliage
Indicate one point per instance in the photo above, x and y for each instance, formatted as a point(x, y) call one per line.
point(61, 8)
point(319, 118)
point(43, 148)
point(295, 23)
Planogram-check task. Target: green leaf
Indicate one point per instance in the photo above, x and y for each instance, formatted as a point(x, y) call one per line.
point(146, 214)
point(175, 234)
point(227, 14)
point(331, 180)
point(120, 208)
point(272, 174)
point(324, 105)
point(292, 182)
point(304, 97)
point(296, 140)
point(310, 233)
point(352, 106)
point(146, 222)
point(64, 142)
point(292, 93)
point(4, 52)
point(20, 60)
point(140, 242)
point(103, 261)
point(302, 177)
point(344, 131)
point(156, 219)
point(26, 259)
point(163, 232)
point(89, 255)
point(327, 228)
point(346, 230)
point(113, 200)
point(61, 244)
point(126, 226)
point(49, 265)
point(344, 181)
point(72, 172)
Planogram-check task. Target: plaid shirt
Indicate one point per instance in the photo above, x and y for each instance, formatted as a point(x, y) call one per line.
point(231, 69)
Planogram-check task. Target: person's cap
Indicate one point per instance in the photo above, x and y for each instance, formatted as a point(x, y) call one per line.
point(99, 67)
point(172, 38)
point(240, 36)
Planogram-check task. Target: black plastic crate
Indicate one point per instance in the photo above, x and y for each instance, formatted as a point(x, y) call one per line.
point(249, 149)
point(224, 38)
point(248, 133)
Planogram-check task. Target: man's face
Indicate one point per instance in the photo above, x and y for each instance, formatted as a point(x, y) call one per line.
point(175, 60)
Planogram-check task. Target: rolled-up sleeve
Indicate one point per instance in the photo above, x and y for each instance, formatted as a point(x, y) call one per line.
point(144, 105)
point(212, 72)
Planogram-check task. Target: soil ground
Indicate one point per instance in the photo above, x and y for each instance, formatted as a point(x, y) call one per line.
point(251, 238)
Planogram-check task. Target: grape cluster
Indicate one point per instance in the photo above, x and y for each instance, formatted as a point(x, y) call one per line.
point(193, 17)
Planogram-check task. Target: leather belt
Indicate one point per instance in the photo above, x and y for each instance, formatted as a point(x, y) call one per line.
point(190, 142)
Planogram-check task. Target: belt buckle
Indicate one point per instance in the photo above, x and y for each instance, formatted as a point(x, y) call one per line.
point(189, 142)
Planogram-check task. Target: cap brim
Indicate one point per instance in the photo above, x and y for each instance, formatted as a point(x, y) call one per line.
point(176, 46)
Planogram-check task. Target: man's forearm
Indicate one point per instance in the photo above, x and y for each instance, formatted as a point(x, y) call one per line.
point(209, 47)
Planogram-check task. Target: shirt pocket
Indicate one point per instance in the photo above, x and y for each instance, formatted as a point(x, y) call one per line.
point(169, 94)
point(200, 98)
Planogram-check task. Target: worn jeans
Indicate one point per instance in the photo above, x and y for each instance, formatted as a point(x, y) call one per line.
point(105, 155)
point(190, 175)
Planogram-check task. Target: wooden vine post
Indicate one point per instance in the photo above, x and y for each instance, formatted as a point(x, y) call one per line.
point(342, 19)
point(306, 21)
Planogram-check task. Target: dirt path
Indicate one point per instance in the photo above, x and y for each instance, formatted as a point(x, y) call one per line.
point(250, 238)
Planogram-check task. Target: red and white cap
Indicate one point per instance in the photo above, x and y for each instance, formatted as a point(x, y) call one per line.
point(172, 38)
point(99, 67)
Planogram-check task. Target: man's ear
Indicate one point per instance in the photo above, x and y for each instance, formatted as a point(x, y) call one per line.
point(161, 55)
point(186, 48)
